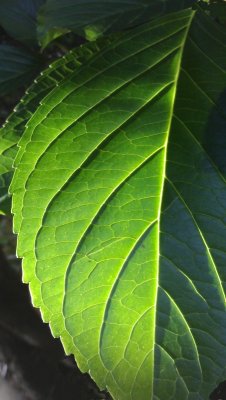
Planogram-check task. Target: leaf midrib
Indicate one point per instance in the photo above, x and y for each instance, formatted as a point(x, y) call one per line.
point(164, 177)
point(119, 42)
point(19, 156)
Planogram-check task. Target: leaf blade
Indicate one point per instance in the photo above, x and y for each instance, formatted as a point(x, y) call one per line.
point(12, 133)
point(91, 248)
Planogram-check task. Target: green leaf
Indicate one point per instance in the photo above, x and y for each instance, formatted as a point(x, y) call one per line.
point(15, 126)
point(217, 9)
point(92, 18)
point(119, 201)
point(17, 68)
point(18, 18)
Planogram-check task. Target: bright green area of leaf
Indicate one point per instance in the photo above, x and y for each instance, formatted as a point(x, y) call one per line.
point(119, 201)
point(15, 126)
point(92, 18)
point(18, 18)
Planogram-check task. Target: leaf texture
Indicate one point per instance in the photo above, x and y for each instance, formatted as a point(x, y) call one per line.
point(14, 127)
point(119, 205)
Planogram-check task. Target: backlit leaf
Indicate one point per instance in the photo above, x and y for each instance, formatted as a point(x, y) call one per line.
point(14, 127)
point(119, 201)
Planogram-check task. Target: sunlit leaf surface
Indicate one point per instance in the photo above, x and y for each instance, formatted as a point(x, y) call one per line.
point(119, 202)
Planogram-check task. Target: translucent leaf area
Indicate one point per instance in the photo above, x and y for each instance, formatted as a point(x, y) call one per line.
point(119, 202)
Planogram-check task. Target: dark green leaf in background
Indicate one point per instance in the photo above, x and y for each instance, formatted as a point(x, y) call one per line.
point(92, 18)
point(18, 18)
point(217, 9)
point(17, 68)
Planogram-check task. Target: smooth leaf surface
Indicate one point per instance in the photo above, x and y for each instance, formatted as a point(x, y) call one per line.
point(119, 201)
point(17, 68)
point(14, 127)
point(217, 9)
point(18, 18)
point(92, 18)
